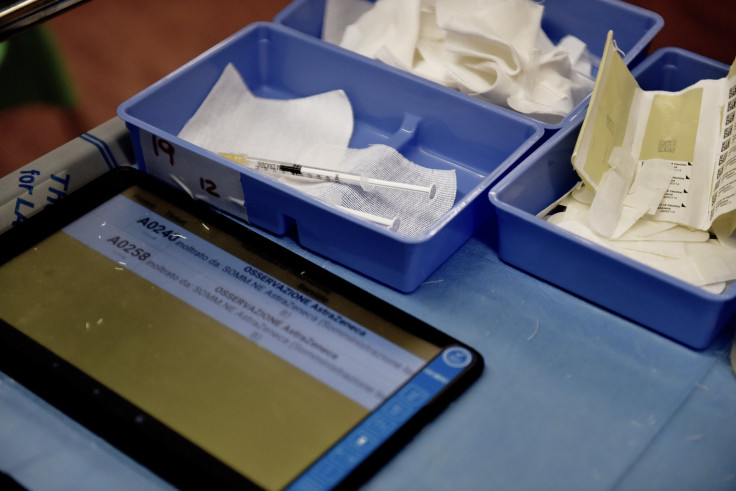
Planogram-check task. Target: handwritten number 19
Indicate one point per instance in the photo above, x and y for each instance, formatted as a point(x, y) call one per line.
point(165, 147)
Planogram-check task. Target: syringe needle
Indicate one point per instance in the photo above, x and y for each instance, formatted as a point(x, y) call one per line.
point(277, 167)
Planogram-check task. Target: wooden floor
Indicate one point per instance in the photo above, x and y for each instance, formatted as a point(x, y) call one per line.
point(115, 48)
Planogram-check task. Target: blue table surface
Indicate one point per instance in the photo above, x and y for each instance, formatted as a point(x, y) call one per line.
point(572, 397)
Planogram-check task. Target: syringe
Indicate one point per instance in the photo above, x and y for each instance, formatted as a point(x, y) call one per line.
point(276, 167)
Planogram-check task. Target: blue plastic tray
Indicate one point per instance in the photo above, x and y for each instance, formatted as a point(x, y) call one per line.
point(667, 305)
point(588, 20)
point(430, 125)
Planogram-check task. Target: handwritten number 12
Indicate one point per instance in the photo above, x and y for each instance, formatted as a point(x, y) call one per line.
point(209, 186)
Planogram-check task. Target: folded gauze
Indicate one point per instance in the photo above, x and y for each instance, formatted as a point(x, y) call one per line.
point(315, 131)
point(492, 49)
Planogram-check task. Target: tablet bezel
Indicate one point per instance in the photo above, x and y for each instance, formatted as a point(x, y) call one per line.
point(130, 429)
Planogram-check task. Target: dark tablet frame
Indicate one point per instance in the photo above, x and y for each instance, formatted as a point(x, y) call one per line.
point(147, 440)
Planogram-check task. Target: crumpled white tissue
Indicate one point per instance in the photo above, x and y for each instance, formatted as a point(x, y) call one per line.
point(492, 49)
point(338, 15)
point(605, 210)
point(688, 254)
point(316, 131)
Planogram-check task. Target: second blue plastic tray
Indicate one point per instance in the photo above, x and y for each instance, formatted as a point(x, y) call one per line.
point(430, 125)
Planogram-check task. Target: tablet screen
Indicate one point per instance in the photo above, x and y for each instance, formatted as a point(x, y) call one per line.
point(280, 377)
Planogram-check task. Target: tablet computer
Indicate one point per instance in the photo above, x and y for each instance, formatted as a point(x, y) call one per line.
point(208, 352)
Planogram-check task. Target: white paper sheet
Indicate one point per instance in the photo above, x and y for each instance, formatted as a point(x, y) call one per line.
point(313, 131)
